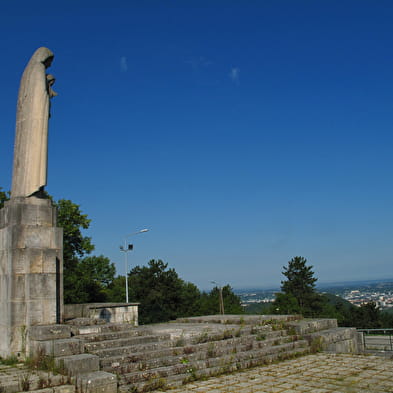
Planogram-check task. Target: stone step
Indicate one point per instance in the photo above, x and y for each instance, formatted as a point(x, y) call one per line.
point(49, 332)
point(241, 319)
point(55, 389)
point(101, 328)
point(173, 381)
point(97, 382)
point(307, 326)
point(225, 363)
point(56, 348)
point(166, 356)
point(78, 364)
point(113, 335)
point(130, 350)
point(123, 344)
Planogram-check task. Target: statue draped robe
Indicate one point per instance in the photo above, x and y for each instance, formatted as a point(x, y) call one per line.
point(31, 136)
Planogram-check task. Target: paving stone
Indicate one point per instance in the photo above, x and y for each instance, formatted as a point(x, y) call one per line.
point(320, 373)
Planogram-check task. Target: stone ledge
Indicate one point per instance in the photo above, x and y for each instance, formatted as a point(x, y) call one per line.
point(49, 332)
point(97, 382)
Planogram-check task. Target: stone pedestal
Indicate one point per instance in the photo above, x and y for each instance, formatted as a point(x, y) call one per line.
point(31, 271)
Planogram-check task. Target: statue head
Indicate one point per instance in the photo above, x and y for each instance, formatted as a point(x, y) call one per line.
point(43, 55)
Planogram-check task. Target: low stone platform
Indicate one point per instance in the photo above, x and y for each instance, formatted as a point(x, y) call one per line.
point(319, 373)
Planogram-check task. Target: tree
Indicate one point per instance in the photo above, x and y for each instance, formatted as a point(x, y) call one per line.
point(77, 289)
point(95, 275)
point(4, 196)
point(300, 280)
point(209, 304)
point(161, 293)
point(116, 290)
point(299, 295)
point(71, 219)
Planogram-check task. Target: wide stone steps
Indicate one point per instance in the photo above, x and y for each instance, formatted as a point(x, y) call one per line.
point(147, 358)
point(142, 360)
point(172, 381)
point(99, 347)
point(105, 358)
point(189, 368)
point(113, 332)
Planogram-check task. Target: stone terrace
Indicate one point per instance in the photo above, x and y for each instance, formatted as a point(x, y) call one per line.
point(319, 373)
point(106, 358)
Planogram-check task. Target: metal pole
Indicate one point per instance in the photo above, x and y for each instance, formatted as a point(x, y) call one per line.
point(125, 249)
point(126, 263)
point(221, 302)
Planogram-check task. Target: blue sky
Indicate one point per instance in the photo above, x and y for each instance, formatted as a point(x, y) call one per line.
point(242, 133)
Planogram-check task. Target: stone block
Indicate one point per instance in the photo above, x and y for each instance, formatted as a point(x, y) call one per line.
point(42, 286)
point(64, 389)
point(49, 260)
point(18, 313)
point(18, 291)
point(78, 364)
point(57, 348)
point(97, 382)
point(49, 312)
point(49, 332)
point(20, 261)
point(30, 267)
point(35, 261)
point(46, 390)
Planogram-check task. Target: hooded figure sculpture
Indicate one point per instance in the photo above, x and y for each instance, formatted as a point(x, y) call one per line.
point(31, 137)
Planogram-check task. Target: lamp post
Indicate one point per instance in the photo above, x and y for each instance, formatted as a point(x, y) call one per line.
point(125, 249)
point(220, 299)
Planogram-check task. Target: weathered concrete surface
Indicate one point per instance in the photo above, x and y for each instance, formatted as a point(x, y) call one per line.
point(20, 378)
point(320, 373)
point(97, 382)
point(49, 332)
point(57, 348)
point(31, 271)
point(109, 312)
point(78, 364)
point(338, 340)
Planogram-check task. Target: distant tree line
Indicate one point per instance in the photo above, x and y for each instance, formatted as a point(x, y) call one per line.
point(299, 296)
point(163, 295)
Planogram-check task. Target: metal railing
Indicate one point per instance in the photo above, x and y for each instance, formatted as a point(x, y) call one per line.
point(377, 339)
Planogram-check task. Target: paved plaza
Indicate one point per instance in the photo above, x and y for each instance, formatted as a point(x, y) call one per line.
point(319, 373)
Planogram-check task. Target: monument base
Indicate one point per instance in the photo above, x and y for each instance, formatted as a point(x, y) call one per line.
point(31, 271)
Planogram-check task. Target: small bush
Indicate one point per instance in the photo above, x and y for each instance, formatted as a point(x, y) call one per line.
point(9, 361)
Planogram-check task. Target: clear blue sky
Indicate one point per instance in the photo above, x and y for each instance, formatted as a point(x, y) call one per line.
point(242, 133)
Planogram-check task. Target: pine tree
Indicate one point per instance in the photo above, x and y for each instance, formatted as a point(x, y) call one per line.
point(300, 284)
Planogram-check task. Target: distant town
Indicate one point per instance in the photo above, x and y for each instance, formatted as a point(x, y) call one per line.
point(357, 293)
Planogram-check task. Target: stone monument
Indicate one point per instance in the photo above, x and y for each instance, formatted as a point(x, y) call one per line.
point(31, 244)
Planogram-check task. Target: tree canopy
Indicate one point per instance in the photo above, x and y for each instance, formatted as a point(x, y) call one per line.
point(163, 295)
point(298, 291)
point(4, 196)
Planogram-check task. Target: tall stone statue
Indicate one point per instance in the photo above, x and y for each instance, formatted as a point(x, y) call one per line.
point(31, 137)
point(31, 243)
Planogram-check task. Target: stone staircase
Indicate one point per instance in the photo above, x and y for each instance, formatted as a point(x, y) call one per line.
point(99, 357)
